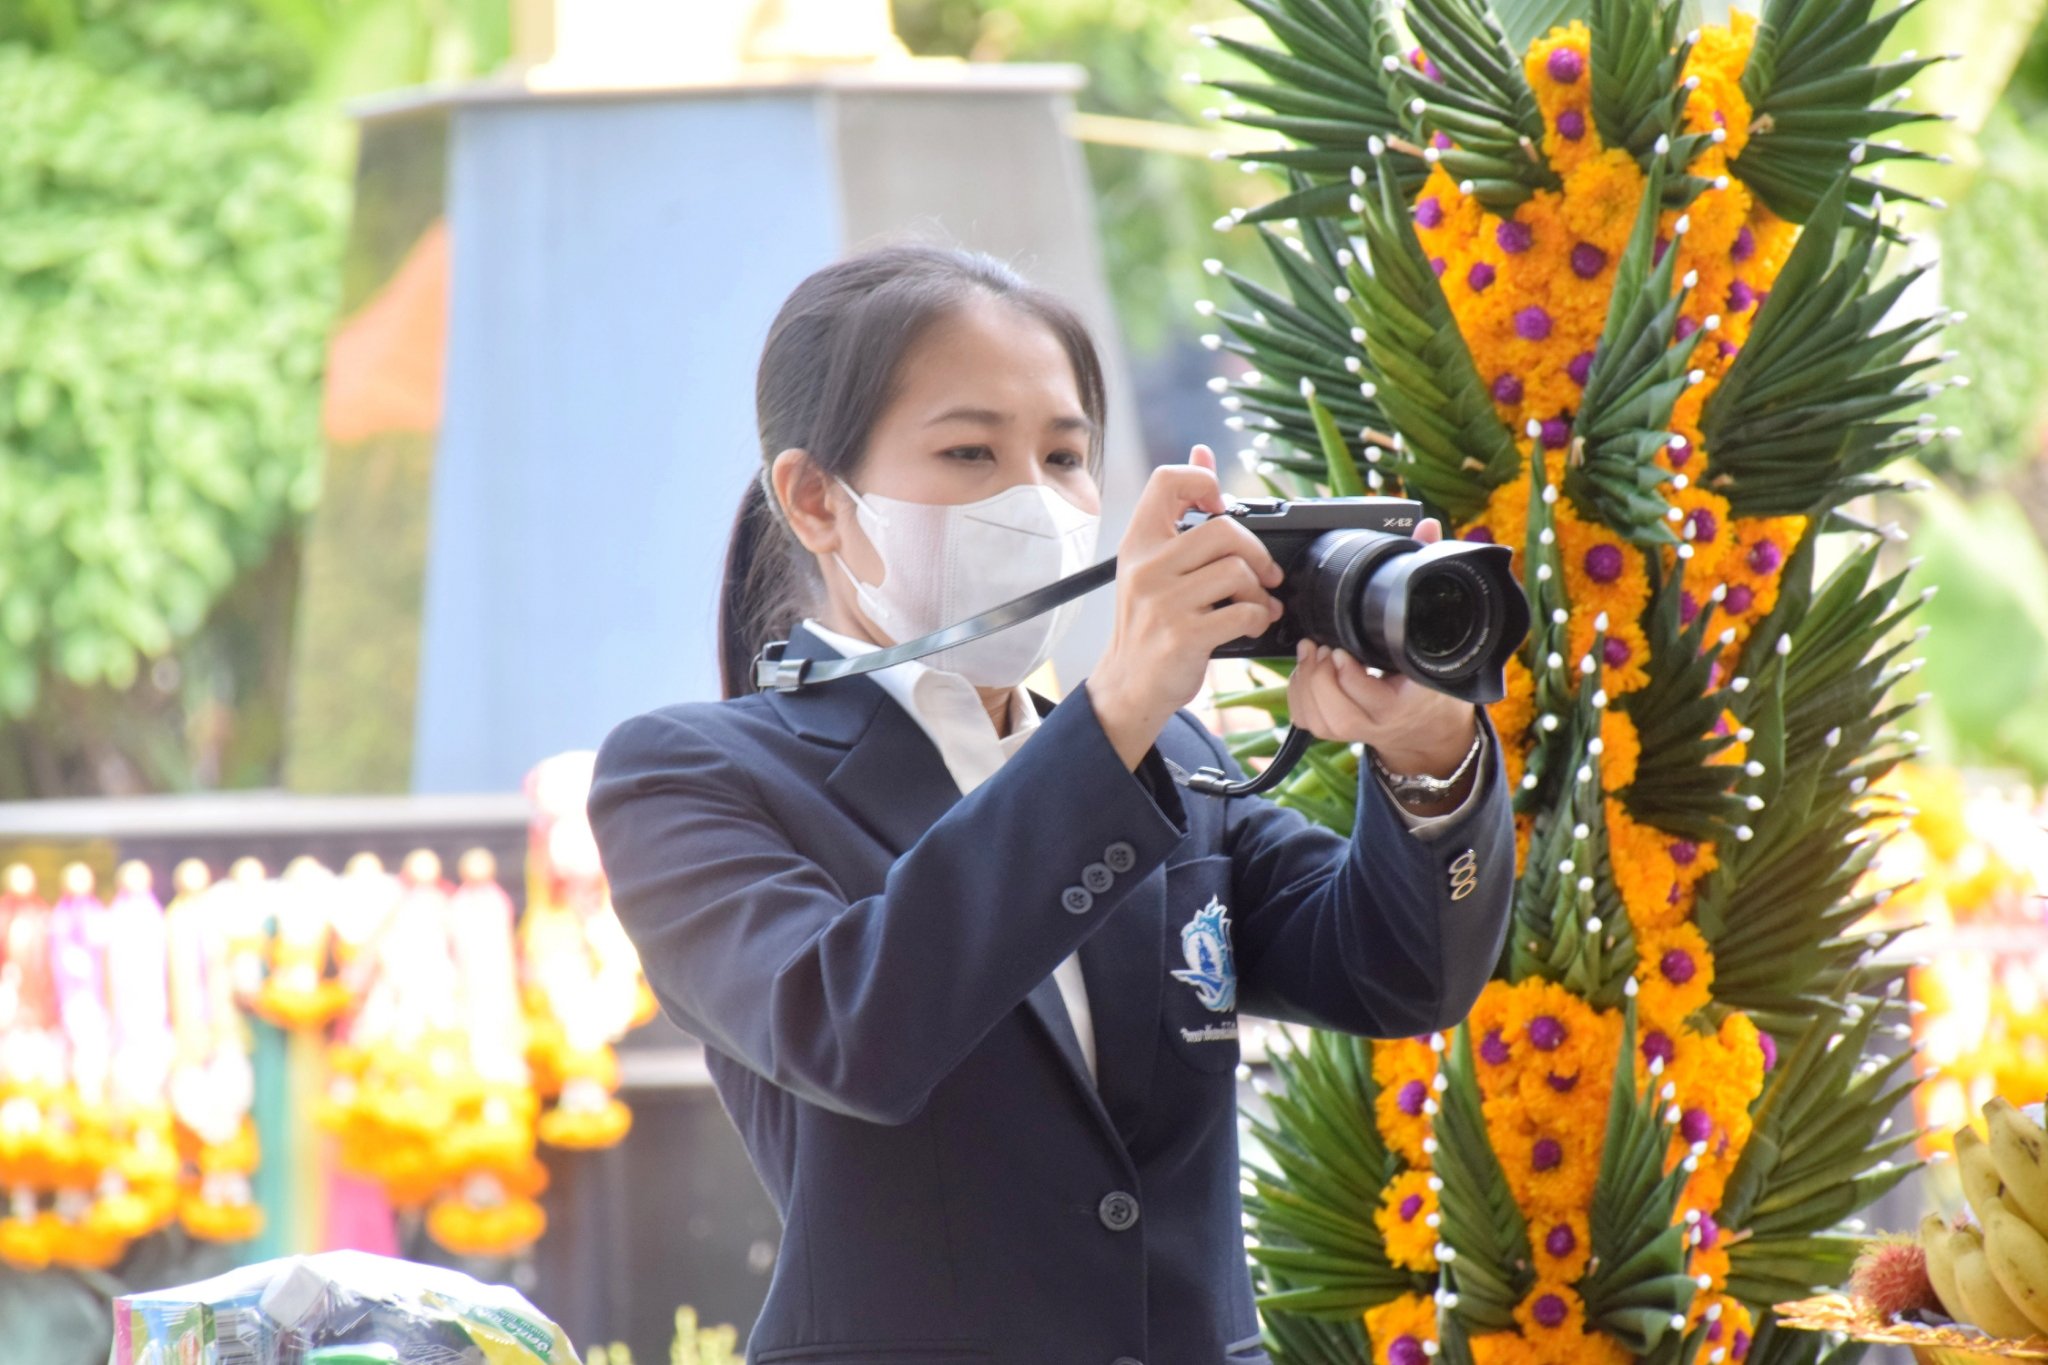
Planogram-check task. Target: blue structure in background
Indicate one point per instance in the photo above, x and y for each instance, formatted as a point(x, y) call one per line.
point(616, 260)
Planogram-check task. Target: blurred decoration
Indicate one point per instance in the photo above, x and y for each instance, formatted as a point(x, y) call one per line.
point(1968, 864)
point(693, 1345)
point(442, 1045)
point(559, 44)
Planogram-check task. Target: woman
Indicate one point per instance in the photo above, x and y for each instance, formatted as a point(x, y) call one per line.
point(972, 1001)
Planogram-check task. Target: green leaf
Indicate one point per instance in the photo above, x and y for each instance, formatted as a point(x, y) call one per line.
point(1483, 102)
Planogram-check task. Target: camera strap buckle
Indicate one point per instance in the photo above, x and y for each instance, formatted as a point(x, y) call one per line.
point(774, 673)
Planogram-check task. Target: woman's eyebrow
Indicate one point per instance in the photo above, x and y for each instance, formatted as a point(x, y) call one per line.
point(989, 417)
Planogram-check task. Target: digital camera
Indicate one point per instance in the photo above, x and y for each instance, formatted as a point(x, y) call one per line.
point(1448, 615)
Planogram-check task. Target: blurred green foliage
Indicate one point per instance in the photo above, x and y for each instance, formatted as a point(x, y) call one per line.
point(166, 282)
point(1154, 209)
point(174, 182)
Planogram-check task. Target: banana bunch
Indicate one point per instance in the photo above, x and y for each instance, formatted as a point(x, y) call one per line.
point(1993, 1274)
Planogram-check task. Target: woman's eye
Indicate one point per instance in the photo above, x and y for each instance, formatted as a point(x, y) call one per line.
point(970, 454)
point(1066, 459)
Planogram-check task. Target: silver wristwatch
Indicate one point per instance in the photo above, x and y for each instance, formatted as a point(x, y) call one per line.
point(1421, 789)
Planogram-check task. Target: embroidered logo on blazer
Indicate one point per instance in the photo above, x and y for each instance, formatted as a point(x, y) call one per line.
point(1211, 970)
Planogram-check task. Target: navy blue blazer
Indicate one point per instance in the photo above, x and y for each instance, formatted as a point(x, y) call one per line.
point(868, 955)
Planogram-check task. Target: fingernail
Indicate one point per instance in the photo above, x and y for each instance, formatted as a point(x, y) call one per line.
point(1343, 660)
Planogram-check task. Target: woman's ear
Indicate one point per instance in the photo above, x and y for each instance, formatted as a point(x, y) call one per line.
point(810, 501)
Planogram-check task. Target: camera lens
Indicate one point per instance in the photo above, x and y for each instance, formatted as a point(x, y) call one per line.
point(1447, 615)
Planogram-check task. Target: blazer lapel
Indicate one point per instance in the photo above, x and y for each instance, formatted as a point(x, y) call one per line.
point(894, 783)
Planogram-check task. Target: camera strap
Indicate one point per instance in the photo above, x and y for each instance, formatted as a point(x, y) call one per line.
point(774, 672)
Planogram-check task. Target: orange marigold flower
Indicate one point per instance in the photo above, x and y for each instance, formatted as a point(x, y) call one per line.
point(1645, 870)
point(1563, 1244)
point(1551, 1310)
point(1600, 199)
point(1404, 1069)
point(1504, 1348)
point(1620, 749)
point(1705, 525)
point(1624, 655)
point(1602, 572)
point(1675, 973)
point(1405, 1217)
point(1407, 1317)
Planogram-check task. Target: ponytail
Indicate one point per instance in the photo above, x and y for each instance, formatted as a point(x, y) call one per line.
point(755, 591)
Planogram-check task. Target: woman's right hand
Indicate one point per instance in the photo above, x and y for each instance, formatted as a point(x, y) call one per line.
point(1179, 595)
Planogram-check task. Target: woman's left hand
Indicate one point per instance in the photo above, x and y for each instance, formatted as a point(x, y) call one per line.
point(1415, 730)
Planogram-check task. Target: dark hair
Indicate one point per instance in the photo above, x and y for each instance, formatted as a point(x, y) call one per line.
point(827, 372)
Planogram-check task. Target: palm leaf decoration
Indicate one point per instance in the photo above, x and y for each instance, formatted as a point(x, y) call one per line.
point(1615, 293)
point(1818, 103)
point(1328, 94)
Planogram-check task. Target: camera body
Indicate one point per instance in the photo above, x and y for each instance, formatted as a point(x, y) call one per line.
point(1448, 615)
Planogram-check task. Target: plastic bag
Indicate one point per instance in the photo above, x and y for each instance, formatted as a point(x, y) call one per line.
point(336, 1308)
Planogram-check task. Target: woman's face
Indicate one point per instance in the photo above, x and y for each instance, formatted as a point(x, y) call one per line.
point(985, 400)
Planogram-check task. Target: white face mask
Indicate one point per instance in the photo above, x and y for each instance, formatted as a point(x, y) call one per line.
point(942, 564)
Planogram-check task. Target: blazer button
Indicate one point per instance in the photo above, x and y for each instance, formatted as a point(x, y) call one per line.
point(1126, 1360)
point(1097, 877)
point(1118, 1211)
point(1120, 856)
point(1077, 900)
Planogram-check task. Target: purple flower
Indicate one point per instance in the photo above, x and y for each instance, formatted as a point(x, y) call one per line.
point(1657, 252)
point(1563, 1085)
point(1658, 1047)
point(1740, 296)
point(1580, 367)
point(1507, 388)
point(1429, 212)
point(1439, 265)
point(1739, 600)
point(1727, 350)
point(1686, 327)
point(1565, 65)
point(1406, 1350)
point(1557, 432)
point(1493, 1050)
point(1546, 1155)
point(1482, 535)
point(1688, 606)
point(1547, 1032)
point(1571, 125)
point(1604, 563)
point(1745, 245)
point(1769, 1047)
point(1411, 1206)
point(1550, 1310)
point(1680, 452)
point(1440, 141)
point(1421, 62)
point(1677, 966)
point(1479, 276)
point(1532, 323)
point(1411, 1098)
point(1765, 556)
point(1615, 651)
point(1740, 1346)
point(1715, 1331)
point(1695, 1125)
point(1513, 237)
point(1684, 851)
point(1708, 1232)
point(1704, 525)
point(1561, 1241)
point(1587, 260)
